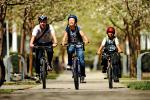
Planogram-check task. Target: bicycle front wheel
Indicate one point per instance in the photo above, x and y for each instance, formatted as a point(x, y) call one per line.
point(43, 73)
point(110, 77)
point(75, 74)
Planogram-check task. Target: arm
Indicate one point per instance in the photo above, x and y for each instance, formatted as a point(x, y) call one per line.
point(99, 51)
point(54, 40)
point(31, 41)
point(119, 49)
point(53, 36)
point(84, 37)
point(118, 45)
point(64, 38)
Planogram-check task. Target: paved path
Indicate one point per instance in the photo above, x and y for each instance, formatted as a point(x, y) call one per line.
point(63, 89)
point(95, 82)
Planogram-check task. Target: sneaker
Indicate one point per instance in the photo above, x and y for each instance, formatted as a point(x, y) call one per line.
point(49, 68)
point(38, 81)
point(83, 79)
point(105, 77)
point(68, 67)
point(116, 79)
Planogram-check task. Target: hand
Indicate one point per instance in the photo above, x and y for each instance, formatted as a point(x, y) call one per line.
point(31, 45)
point(63, 43)
point(98, 53)
point(86, 42)
point(54, 44)
point(120, 51)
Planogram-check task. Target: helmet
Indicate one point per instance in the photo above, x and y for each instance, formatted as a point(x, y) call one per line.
point(73, 16)
point(42, 18)
point(111, 30)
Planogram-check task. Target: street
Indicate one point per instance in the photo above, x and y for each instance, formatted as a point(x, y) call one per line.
point(63, 89)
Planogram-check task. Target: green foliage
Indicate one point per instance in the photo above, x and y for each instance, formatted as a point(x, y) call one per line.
point(140, 85)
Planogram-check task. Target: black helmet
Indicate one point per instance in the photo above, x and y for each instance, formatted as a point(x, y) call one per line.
point(73, 16)
point(42, 18)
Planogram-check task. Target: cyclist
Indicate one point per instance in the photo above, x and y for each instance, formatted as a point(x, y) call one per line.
point(110, 44)
point(74, 35)
point(47, 39)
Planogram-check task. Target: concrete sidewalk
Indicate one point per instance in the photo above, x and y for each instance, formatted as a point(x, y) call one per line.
point(95, 82)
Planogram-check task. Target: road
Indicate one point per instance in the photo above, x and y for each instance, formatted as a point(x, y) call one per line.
point(63, 89)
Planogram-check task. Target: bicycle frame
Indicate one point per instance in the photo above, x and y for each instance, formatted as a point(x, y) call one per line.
point(110, 71)
point(43, 64)
point(76, 67)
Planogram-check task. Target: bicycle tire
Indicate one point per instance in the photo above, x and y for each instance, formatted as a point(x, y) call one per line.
point(75, 74)
point(110, 77)
point(2, 72)
point(43, 73)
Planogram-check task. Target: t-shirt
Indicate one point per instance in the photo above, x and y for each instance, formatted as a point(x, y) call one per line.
point(110, 44)
point(107, 39)
point(47, 37)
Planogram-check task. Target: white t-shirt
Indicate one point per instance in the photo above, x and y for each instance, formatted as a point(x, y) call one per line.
point(47, 37)
point(106, 38)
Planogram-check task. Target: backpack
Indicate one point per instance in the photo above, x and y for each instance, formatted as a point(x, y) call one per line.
point(110, 45)
point(79, 37)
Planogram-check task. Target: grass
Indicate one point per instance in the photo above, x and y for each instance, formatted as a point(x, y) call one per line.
point(132, 83)
point(52, 75)
point(6, 91)
point(27, 82)
point(139, 85)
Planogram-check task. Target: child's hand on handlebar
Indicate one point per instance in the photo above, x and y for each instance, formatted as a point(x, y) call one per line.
point(54, 44)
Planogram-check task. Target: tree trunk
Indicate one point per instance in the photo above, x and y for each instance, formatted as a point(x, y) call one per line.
point(31, 53)
point(1, 39)
point(3, 7)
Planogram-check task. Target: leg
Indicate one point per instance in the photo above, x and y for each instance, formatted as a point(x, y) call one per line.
point(50, 56)
point(104, 68)
point(38, 56)
point(80, 54)
point(115, 63)
point(70, 51)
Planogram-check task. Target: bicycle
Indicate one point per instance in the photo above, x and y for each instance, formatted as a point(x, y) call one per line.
point(110, 69)
point(43, 64)
point(76, 72)
point(2, 72)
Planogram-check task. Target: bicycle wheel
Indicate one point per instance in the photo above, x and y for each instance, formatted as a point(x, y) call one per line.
point(2, 72)
point(75, 74)
point(43, 73)
point(110, 77)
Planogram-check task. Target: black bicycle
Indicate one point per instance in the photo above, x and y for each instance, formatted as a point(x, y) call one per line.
point(111, 71)
point(2, 72)
point(43, 64)
point(76, 71)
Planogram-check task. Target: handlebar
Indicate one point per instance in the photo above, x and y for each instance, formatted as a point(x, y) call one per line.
point(42, 47)
point(82, 43)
